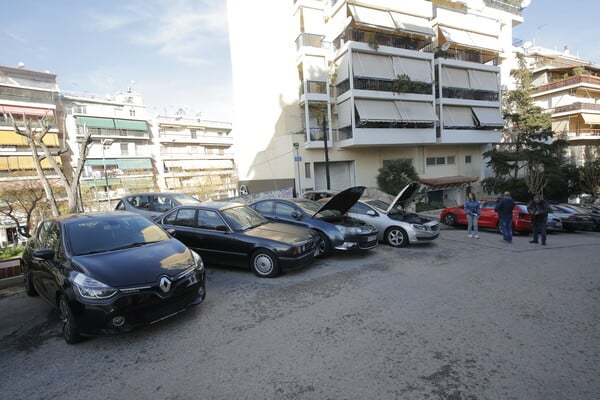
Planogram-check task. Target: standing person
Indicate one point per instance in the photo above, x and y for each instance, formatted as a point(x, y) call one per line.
point(473, 211)
point(504, 208)
point(539, 209)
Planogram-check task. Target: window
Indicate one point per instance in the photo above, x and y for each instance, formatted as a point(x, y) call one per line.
point(79, 110)
point(208, 219)
point(307, 170)
point(467, 159)
point(360, 208)
point(124, 149)
point(194, 134)
point(131, 112)
point(284, 209)
point(264, 206)
point(182, 217)
point(450, 160)
point(430, 161)
point(441, 160)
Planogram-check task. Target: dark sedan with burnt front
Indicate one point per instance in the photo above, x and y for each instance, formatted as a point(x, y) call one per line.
point(336, 230)
point(236, 235)
point(110, 272)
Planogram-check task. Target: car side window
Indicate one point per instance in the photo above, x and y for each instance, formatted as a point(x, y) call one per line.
point(360, 208)
point(120, 206)
point(141, 202)
point(284, 209)
point(488, 204)
point(54, 241)
point(264, 206)
point(209, 219)
point(159, 203)
point(183, 217)
point(42, 233)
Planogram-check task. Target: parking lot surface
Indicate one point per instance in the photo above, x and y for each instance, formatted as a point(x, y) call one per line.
point(458, 318)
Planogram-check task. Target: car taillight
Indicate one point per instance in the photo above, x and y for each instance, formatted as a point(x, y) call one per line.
point(524, 216)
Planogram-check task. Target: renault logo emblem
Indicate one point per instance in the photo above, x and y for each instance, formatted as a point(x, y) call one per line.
point(165, 284)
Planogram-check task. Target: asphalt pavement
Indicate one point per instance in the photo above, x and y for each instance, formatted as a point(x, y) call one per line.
point(459, 318)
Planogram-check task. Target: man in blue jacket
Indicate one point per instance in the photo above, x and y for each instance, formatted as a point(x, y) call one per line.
point(504, 208)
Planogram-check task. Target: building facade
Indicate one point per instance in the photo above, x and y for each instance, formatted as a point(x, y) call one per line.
point(25, 95)
point(120, 158)
point(196, 157)
point(375, 81)
point(569, 88)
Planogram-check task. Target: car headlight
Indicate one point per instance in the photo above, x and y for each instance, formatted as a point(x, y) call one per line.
point(198, 261)
point(90, 288)
point(352, 230)
point(419, 227)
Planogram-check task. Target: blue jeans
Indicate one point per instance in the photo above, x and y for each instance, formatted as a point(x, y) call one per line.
point(506, 227)
point(472, 228)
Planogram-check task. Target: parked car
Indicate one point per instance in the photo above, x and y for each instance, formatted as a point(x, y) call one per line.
point(110, 272)
point(553, 223)
point(572, 220)
point(396, 226)
point(319, 194)
point(336, 230)
point(521, 220)
point(152, 205)
point(235, 234)
point(583, 211)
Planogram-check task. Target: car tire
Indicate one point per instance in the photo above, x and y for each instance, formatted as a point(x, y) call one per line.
point(323, 246)
point(68, 325)
point(265, 264)
point(396, 237)
point(449, 219)
point(29, 288)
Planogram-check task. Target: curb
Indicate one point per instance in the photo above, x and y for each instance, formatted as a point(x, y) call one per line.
point(10, 282)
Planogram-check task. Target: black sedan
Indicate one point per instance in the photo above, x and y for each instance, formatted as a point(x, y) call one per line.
point(236, 235)
point(336, 230)
point(571, 219)
point(110, 272)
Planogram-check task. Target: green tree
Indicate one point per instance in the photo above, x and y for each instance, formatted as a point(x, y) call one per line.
point(527, 148)
point(395, 175)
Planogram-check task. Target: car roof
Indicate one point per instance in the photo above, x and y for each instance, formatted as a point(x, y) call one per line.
point(214, 205)
point(93, 215)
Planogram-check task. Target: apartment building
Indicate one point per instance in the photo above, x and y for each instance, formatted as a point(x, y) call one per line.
point(370, 81)
point(25, 95)
point(569, 87)
point(196, 156)
point(120, 158)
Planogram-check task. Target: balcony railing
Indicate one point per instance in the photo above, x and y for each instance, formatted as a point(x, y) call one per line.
point(573, 80)
point(387, 85)
point(468, 94)
point(315, 87)
point(113, 132)
point(311, 40)
point(380, 39)
point(577, 107)
point(504, 5)
point(470, 55)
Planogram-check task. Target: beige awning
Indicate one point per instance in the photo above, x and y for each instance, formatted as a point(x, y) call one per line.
point(377, 110)
point(372, 66)
point(411, 24)
point(454, 77)
point(591, 119)
point(416, 111)
point(471, 39)
point(370, 16)
point(488, 116)
point(483, 80)
point(417, 70)
point(458, 117)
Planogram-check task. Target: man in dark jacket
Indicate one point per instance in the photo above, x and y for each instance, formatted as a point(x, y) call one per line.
point(538, 209)
point(504, 208)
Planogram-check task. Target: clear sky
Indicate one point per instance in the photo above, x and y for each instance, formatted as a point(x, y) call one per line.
point(555, 24)
point(177, 53)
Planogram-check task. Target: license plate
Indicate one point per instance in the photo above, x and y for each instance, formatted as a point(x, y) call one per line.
point(371, 238)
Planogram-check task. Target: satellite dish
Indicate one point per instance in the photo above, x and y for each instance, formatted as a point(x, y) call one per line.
point(525, 3)
point(445, 46)
point(527, 45)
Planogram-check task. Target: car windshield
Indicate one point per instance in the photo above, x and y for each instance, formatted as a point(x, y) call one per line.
point(379, 204)
point(243, 217)
point(578, 209)
point(98, 235)
point(311, 207)
point(185, 200)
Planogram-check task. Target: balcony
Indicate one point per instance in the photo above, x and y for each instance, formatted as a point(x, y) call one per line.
point(576, 108)
point(505, 5)
point(311, 40)
point(581, 137)
point(468, 94)
point(571, 81)
point(379, 39)
point(197, 139)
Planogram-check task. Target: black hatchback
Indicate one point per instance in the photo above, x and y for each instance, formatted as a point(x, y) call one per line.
point(110, 272)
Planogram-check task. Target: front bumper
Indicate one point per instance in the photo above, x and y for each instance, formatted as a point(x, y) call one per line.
point(359, 243)
point(134, 308)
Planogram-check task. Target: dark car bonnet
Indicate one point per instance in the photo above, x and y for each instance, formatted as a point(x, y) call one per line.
point(343, 201)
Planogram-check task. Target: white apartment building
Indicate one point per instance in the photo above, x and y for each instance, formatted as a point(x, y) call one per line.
point(569, 87)
point(120, 158)
point(342, 60)
point(195, 155)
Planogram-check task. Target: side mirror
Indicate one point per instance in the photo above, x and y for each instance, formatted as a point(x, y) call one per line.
point(43, 254)
point(222, 228)
point(371, 213)
point(171, 232)
point(296, 215)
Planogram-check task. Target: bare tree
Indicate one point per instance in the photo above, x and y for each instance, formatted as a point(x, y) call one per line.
point(34, 132)
point(20, 199)
point(536, 180)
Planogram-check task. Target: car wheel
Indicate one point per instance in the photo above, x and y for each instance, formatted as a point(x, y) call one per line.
point(449, 219)
point(323, 246)
point(29, 288)
point(396, 237)
point(67, 322)
point(265, 264)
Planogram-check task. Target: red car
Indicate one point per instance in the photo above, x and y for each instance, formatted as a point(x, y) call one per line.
point(489, 218)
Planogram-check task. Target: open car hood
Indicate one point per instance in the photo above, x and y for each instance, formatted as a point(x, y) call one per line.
point(405, 196)
point(343, 201)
